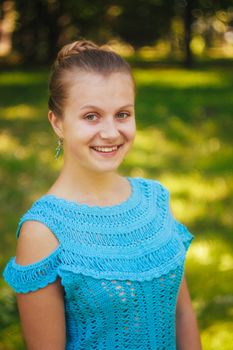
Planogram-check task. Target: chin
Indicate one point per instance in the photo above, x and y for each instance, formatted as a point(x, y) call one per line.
point(106, 169)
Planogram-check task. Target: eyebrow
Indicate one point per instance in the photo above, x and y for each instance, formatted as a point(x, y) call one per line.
point(96, 107)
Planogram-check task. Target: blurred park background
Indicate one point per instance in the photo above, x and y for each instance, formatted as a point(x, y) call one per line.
point(181, 53)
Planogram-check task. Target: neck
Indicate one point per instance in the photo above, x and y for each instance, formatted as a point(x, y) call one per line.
point(85, 183)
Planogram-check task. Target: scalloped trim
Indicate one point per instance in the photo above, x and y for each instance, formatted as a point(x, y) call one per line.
point(33, 288)
point(105, 267)
point(95, 208)
point(148, 276)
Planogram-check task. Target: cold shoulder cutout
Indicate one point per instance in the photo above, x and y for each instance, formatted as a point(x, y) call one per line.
point(35, 241)
point(121, 268)
point(30, 276)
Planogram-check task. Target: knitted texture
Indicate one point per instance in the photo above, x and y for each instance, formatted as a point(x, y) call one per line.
point(121, 267)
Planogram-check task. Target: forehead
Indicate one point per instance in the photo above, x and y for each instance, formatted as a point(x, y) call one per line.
point(114, 88)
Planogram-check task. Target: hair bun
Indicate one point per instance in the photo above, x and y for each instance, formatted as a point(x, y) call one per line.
point(76, 48)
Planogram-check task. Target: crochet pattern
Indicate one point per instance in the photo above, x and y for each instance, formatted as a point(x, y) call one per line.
point(121, 267)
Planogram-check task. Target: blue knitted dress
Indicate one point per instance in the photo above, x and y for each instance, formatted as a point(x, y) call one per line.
point(121, 268)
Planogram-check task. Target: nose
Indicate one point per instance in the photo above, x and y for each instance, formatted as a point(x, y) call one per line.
point(109, 129)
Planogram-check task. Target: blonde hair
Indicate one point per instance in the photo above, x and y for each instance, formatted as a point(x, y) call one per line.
point(86, 56)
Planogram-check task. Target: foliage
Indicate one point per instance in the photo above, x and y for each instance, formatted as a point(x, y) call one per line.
point(184, 121)
point(142, 22)
point(43, 26)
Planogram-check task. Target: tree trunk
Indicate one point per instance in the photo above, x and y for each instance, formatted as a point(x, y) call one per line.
point(188, 59)
point(54, 30)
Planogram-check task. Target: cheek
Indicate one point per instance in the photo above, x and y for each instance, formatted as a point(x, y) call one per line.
point(82, 133)
point(130, 130)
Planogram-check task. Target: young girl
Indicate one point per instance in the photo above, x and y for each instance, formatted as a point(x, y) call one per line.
point(100, 257)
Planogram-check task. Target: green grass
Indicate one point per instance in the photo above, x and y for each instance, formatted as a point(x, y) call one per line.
point(184, 121)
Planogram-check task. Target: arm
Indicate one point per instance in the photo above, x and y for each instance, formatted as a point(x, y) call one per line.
point(187, 334)
point(41, 312)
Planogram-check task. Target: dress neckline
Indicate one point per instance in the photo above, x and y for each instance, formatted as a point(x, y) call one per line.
point(126, 204)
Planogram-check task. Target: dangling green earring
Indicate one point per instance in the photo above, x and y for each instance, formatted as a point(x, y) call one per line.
point(59, 147)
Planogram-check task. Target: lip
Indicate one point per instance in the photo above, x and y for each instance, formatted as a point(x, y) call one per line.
point(108, 145)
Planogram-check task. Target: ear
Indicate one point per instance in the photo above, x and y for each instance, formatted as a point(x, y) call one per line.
point(56, 123)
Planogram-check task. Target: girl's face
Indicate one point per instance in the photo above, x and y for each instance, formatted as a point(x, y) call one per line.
point(98, 125)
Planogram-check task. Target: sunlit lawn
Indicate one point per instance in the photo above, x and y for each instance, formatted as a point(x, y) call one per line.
point(184, 139)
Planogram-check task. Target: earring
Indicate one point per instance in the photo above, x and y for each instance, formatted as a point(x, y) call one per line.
point(59, 147)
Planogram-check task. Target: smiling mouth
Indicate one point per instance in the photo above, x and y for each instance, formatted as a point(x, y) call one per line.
point(106, 149)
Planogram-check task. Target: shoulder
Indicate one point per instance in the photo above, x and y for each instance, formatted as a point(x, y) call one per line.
point(35, 242)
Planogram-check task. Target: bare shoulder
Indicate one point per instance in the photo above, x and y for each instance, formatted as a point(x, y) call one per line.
point(35, 242)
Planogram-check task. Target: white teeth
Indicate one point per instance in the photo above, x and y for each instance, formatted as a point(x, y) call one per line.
point(105, 149)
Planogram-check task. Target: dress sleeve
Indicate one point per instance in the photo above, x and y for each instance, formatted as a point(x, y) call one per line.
point(183, 233)
point(28, 278)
